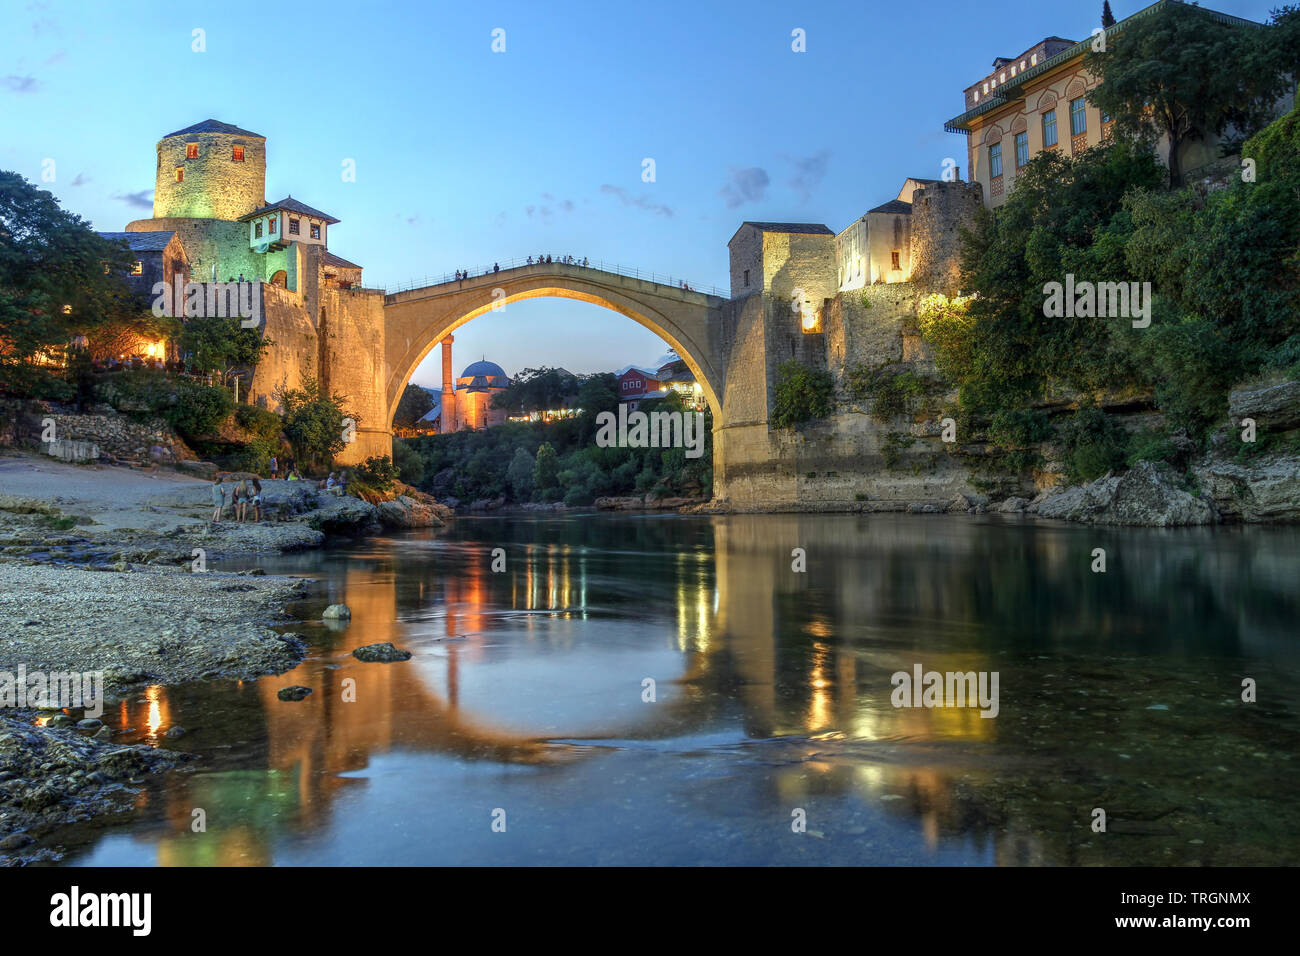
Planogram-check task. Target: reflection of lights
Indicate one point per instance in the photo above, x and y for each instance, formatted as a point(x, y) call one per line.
point(819, 708)
point(153, 696)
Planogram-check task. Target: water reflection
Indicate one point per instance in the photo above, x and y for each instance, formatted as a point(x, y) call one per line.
point(771, 693)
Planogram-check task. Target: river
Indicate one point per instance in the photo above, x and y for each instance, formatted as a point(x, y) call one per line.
point(522, 731)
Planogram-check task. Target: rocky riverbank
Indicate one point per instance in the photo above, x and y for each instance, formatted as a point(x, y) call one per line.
point(116, 572)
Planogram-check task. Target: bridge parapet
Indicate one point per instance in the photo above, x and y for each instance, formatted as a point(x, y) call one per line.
point(479, 276)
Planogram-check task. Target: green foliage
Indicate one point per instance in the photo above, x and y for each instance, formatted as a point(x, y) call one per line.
point(520, 474)
point(893, 391)
point(313, 423)
point(410, 464)
point(801, 394)
point(415, 403)
point(536, 390)
point(546, 470)
point(221, 345)
point(946, 326)
point(892, 447)
point(199, 408)
point(260, 422)
point(1184, 74)
point(51, 259)
point(1095, 443)
point(1148, 444)
point(1065, 215)
point(375, 477)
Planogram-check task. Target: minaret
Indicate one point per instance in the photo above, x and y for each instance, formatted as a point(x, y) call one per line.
point(448, 389)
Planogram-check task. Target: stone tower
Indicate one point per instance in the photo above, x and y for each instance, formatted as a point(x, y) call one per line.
point(210, 170)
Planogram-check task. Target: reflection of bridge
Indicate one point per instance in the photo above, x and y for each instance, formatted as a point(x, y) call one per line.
point(418, 319)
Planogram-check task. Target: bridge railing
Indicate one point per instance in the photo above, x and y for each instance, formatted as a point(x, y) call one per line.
point(478, 272)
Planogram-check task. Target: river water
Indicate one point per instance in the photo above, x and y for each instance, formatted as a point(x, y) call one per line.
point(521, 731)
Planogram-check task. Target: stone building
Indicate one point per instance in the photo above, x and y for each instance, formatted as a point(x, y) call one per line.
point(475, 388)
point(209, 199)
point(1037, 101)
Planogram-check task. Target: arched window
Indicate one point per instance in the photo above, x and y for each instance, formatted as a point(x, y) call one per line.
point(281, 279)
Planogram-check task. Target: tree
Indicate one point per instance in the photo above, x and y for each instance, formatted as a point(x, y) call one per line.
point(520, 475)
point(57, 279)
point(546, 470)
point(1182, 73)
point(415, 403)
point(221, 345)
point(537, 389)
point(314, 422)
point(801, 394)
point(1107, 18)
point(1065, 216)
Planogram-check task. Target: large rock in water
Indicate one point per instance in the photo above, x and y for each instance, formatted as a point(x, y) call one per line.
point(343, 514)
point(1148, 495)
point(1265, 490)
point(407, 512)
point(381, 654)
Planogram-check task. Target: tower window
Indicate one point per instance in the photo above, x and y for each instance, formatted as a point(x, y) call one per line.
point(191, 150)
point(893, 261)
point(746, 278)
point(293, 227)
point(257, 230)
point(236, 154)
point(315, 230)
point(180, 174)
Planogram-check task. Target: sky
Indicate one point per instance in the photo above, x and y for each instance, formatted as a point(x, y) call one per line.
point(464, 156)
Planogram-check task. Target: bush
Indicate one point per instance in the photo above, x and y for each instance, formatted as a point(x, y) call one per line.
point(198, 408)
point(410, 466)
point(893, 391)
point(802, 394)
point(1095, 444)
point(261, 423)
point(313, 423)
point(376, 476)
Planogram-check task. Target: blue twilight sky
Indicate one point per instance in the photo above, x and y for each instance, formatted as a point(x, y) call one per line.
point(465, 156)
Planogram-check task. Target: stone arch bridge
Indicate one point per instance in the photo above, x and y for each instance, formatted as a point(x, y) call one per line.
point(416, 320)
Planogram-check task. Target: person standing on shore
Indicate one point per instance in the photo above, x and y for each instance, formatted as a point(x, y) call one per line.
point(257, 500)
point(241, 500)
point(275, 466)
point(218, 498)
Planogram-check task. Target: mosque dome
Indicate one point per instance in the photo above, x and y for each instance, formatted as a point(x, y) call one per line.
point(484, 368)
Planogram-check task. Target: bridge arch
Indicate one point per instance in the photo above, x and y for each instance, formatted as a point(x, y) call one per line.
point(418, 319)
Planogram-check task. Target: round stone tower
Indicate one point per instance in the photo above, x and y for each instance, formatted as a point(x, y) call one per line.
point(210, 170)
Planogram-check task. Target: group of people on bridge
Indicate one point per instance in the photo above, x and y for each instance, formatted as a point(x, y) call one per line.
point(541, 260)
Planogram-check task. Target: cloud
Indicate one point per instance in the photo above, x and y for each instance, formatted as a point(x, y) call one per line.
point(20, 84)
point(82, 179)
point(809, 172)
point(58, 57)
point(141, 200)
point(745, 185)
point(640, 202)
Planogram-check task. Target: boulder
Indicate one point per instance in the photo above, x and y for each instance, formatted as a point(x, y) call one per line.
point(611, 503)
point(1264, 490)
point(408, 512)
point(1013, 505)
point(344, 514)
point(296, 692)
point(337, 612)
point(1276, 407)
point(381, 654)
point(1148, 496)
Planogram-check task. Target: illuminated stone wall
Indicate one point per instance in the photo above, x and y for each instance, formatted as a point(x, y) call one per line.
point(939, 211)
point(214, 187)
